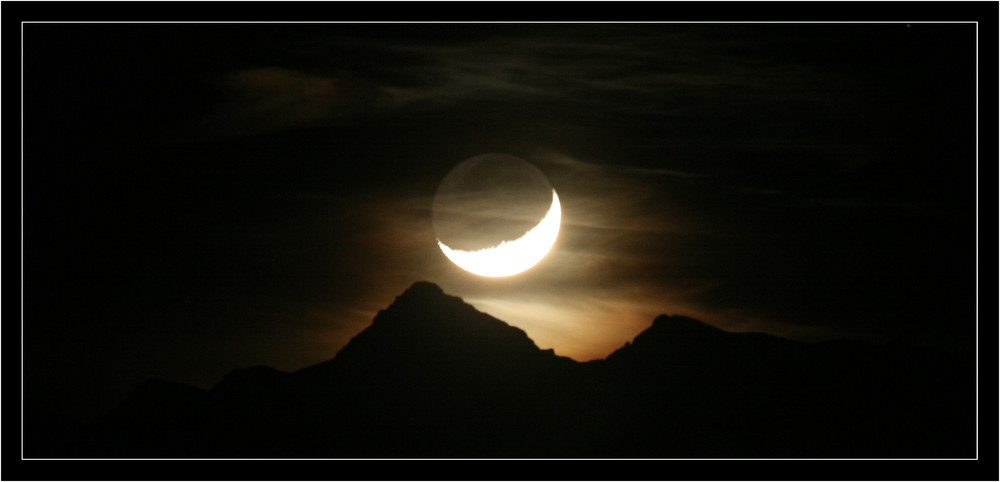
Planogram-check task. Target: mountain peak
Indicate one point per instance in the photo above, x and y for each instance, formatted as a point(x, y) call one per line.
point(670, 335)
point(427, 332)
point(422, 300)
point(682, 324)
point(423, 289)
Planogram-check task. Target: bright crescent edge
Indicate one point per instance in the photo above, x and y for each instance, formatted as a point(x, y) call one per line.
point(512, 257)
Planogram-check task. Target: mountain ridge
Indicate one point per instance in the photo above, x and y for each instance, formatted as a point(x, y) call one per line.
point(434, 377)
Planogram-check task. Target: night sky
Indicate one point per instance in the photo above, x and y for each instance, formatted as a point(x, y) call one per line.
point(205, 197)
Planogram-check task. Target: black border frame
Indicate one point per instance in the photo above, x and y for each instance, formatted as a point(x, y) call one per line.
point(985, 13)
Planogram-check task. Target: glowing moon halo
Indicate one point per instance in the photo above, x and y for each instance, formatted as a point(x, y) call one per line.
point(512, 257)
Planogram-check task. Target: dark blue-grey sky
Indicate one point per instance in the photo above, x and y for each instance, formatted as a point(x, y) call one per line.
point(203, 197)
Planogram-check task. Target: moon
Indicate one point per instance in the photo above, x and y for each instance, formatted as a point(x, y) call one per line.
point(496, 215)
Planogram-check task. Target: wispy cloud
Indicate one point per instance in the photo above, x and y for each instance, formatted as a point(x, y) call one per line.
point(263, 99)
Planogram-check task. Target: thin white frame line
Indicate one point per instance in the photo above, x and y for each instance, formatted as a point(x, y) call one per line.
point(22, 240)
point(975, 22)
point(977, 241)
point(912, 459)
point(507, 22)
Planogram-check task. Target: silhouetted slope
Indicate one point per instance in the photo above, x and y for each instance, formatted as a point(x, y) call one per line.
point(434, 377)
point(426, 336)
point(159, 419)
point(430, 370)
point(678, 340)
point(757, 395)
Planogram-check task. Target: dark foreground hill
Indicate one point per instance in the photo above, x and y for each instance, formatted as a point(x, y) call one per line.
point(432, 377)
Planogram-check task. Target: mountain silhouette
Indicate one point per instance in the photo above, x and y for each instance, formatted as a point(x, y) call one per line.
point(432, 377)
point(426, 336)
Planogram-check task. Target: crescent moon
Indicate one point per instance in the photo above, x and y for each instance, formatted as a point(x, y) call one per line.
point(512, 257)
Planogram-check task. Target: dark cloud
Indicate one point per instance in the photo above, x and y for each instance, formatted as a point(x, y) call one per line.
point(272, 97)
